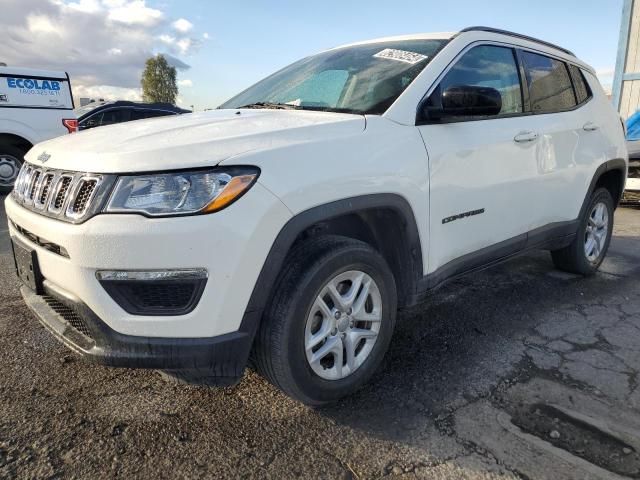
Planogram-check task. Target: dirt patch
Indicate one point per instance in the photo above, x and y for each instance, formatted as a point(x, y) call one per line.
point(577, 437)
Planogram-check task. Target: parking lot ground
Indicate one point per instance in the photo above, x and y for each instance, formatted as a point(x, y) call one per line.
point(519, 371)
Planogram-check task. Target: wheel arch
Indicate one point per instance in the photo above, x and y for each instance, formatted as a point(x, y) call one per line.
point(611, 175)
point(385, 221)
point(16, 141)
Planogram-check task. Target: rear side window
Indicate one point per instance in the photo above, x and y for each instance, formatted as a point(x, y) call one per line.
point(114, 116)
point(583, 93)
point(157, 113)
point(550, 88)
point(489, 66)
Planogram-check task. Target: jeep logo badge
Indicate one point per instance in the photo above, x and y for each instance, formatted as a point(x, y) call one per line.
point(43, 157)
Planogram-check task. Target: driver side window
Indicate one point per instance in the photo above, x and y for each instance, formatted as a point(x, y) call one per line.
point(489, 66)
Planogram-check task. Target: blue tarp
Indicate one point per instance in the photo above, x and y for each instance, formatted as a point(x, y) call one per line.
point(633, 126)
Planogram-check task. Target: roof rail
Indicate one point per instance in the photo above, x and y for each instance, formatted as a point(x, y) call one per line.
point(517, 35)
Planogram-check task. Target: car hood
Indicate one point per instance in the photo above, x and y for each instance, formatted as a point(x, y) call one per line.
point(190, 140)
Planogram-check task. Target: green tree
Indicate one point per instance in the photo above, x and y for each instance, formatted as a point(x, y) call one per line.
point(159, 81)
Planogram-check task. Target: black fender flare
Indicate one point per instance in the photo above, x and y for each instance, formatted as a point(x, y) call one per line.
point(272, 266)
point(615, 164)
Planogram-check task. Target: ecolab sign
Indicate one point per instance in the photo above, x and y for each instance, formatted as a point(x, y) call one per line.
point(33, 86)
point(36, 92)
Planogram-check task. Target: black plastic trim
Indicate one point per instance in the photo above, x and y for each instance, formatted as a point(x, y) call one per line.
point(615, 164)
point(223, 356)
point(35, 77)
point(552, 236)
point(120, 292)
point(285, 239)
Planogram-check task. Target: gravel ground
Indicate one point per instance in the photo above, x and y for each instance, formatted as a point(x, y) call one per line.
point(486, 348)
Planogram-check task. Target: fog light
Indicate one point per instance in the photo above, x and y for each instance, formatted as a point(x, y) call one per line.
point(146, 275)
point(155, 292)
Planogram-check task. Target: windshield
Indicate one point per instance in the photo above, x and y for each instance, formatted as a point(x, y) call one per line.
point(358, 79)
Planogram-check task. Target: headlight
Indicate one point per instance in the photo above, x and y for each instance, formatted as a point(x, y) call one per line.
point(181, 193)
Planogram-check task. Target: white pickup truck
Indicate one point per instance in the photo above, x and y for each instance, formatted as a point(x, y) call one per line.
point(35, 105)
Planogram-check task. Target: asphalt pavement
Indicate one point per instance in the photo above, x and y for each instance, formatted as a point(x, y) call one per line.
point(519, 371)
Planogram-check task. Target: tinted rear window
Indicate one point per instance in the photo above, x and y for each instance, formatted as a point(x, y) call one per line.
point(582, 88)
point(550, 88)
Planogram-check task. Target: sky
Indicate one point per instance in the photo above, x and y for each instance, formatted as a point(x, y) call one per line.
point(221, 47)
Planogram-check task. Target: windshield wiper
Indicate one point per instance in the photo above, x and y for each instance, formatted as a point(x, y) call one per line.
point(289, 106)
point(274, 106)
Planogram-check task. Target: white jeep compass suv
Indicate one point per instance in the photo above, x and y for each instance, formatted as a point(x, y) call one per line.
point(290, 225)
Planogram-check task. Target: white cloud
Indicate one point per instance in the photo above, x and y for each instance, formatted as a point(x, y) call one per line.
point(185, 83)
point(134, 13)
point(86, 6)
point(103, 44)
point(40, 24)
point(182, 25)
point(108, 92)
point(168, 39)
point(205, 35)
point(184, 44)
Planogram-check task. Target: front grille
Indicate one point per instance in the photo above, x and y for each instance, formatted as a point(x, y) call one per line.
point(44, 190)
point(69, 315)
point(69, 196)
point(33, 183)
point(65, 183)
point(83, 196)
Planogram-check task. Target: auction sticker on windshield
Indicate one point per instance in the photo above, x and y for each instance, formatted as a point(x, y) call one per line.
point(401, 56)
point(37, 92)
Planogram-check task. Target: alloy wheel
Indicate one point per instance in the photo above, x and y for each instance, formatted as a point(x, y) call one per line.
point(597, 231)
point(343, 325)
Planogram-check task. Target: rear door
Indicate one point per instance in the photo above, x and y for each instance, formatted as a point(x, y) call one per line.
point(568, 141)
point(482, 170)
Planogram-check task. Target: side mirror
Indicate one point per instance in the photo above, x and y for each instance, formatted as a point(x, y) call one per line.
point(463, 101)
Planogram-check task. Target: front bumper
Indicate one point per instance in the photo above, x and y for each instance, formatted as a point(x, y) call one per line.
point(72, 322)
point(231, 245)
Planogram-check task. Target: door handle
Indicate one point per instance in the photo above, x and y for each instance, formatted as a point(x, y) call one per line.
point(590, 127)
point(526, 137)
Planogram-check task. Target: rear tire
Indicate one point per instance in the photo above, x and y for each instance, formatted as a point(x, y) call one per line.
point(11, 159)
point(587, 251)
point(303, 311)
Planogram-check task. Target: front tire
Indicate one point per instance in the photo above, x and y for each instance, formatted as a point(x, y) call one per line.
point(329, 322)
point(588, 250)
point(11, 159)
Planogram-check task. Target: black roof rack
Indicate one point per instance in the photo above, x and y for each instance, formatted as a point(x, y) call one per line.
point(517, 35)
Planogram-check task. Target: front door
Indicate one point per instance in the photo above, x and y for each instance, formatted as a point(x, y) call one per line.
point(482, 170)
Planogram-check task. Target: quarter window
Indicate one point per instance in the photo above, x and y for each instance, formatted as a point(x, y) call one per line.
point(489, 66)
point(582, 88)
point(550, 88)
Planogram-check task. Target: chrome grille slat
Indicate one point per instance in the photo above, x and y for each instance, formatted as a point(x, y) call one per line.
point(42, 190)
point(33, 185)
point(68, 196)
point(59, 198)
